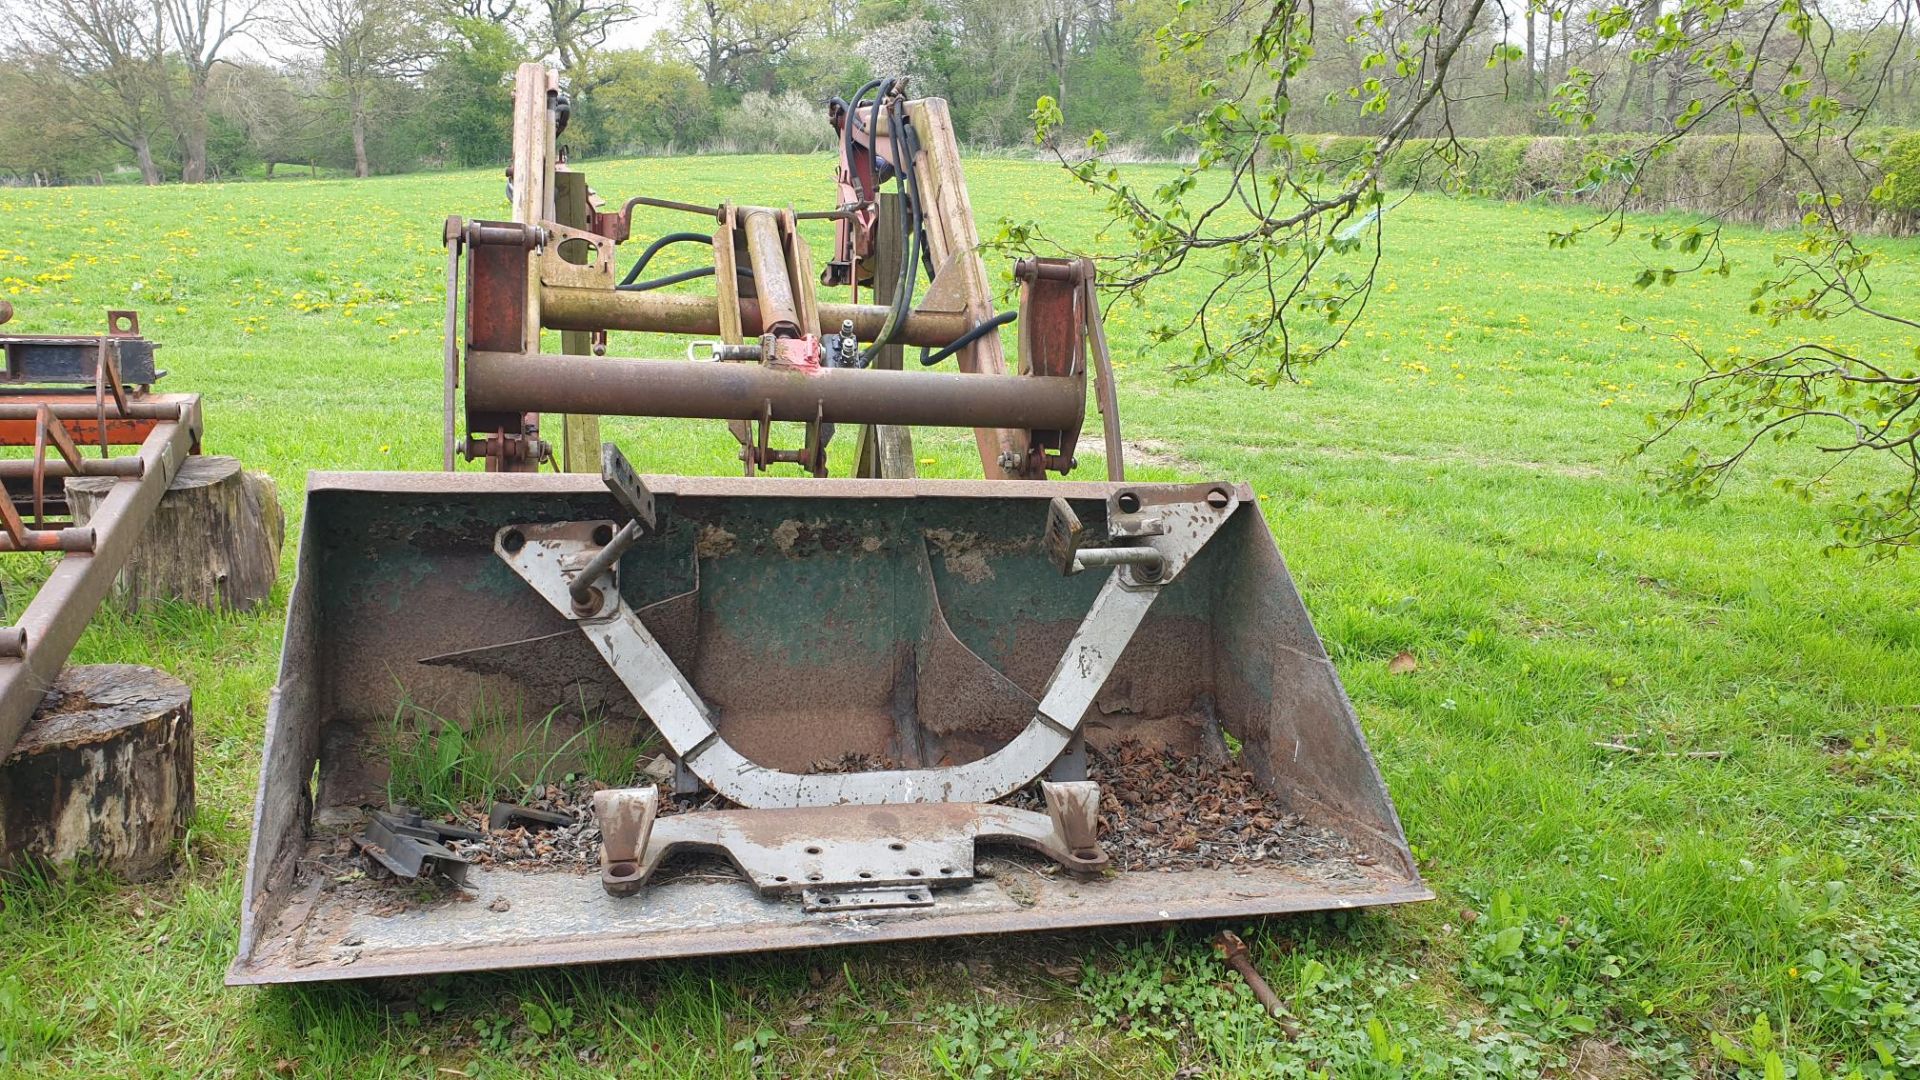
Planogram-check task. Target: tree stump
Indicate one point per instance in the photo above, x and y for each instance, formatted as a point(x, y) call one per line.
point(214, 541)
point(103, 773)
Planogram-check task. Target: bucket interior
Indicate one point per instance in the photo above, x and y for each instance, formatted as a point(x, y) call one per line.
point(828, 626)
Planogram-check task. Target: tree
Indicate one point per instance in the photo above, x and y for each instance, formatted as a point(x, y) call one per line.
point(277, 111)
point(361, 43)
point(201, 30)
point(102, 60)
point(1293, 235)
point(642, 100)
point(576, 28)
point(470, 92)
point(726, 39)
point(39, 142)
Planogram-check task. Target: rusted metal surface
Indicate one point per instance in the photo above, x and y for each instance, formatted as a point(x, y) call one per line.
point(544, 554)
point(549, 382)
point(564, 308)
point(15, 537)
point(72, 407)
point(779, 311)
point(403, 841)
point(1053, 343)
point(1105, 394)
point(842, 849)
point(522, 278)
point(815, 617)
point(53, 621)
point(1234, 951)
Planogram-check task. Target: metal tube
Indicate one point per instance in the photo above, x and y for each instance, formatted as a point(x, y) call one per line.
point(569, 308)
point(22, 468)
point(581, 587)
point(778, 312)
point(135, 410)
point(543, 382)
point(60, 610)
point(450, 347)
point(1119, 556)
point(49, 540)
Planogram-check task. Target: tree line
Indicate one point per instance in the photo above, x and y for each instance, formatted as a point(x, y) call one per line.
point(196, 90)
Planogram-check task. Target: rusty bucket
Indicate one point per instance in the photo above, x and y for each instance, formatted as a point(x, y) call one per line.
point(790, 713)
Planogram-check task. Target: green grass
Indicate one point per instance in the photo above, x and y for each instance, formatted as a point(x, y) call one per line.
point(436, 763)
point(1451, 484)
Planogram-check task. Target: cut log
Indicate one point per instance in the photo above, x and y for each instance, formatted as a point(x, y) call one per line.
point(104, 773)
point(214, 541)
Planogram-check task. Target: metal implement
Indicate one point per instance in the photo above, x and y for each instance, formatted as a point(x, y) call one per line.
point(844, 848)
point(80, 398)
point(1234, 951)
point(884, 708)
point(401, 840)
point(790, 356)
point(509, 816)
point(917, 624)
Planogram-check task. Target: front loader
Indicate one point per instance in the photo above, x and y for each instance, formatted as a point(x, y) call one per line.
point(776, 711)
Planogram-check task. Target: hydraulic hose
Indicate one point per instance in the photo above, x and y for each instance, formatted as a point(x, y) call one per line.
point(908, 186)
point(970, 337)
point(654, 249)
point(675, 279)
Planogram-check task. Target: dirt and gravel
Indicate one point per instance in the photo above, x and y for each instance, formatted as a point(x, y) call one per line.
point(1159, 811)
point(1165, 811)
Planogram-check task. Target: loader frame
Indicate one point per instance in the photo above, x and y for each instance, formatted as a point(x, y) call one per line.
point(775, 342)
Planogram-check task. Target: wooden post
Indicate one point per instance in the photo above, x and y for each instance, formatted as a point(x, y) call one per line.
point(214, 539)
point(104, 773)
point(953, 238)
point(886, 450)
point(580, 434)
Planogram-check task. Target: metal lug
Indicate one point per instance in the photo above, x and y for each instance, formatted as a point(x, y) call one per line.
point(626, 828)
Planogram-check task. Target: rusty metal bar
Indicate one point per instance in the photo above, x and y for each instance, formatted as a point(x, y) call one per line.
point(22, 468)
point(780, 312)
point(60, 611)
point(545, 382)
point(73, 410)
point(566, 308)
point(81, 540)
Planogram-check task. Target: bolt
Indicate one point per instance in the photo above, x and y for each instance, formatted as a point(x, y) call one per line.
point(1234, 952)
point(589, 603)
point(1009, 460)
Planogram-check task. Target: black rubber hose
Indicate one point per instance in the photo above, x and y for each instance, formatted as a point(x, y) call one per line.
point(654, 249)
point(675, 279)
point(970, 337)
point(846, 138)
point(663, 282)
point(909, 267)
point(873, 130)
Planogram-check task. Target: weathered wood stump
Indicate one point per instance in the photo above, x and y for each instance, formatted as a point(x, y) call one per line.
point(214, 541)
point(103, 773)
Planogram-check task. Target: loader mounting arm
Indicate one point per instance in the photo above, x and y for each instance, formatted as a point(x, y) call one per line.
point(777, 351)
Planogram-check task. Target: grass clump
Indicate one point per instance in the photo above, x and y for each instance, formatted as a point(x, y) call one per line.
point(436, 764)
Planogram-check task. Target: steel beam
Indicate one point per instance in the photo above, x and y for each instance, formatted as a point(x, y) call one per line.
point(22, 468)
point(566, 308)
point(60, 610)
point(544, 382)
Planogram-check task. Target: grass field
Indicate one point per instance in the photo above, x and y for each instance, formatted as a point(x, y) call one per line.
point(1451, 484)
